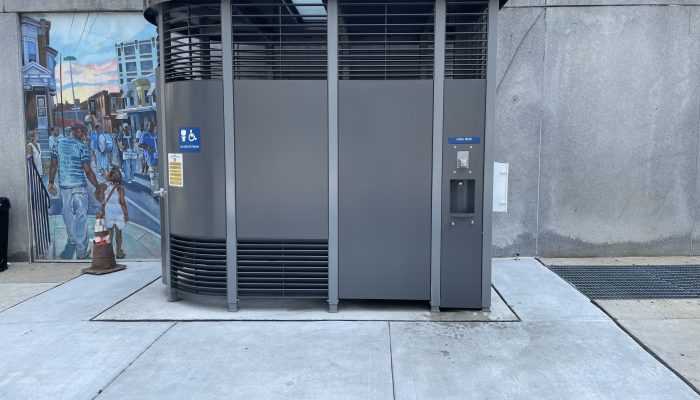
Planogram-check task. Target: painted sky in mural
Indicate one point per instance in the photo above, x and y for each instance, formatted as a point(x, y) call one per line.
point(90, 38)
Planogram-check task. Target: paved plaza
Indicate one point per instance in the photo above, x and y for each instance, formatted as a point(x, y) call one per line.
point(116, 337)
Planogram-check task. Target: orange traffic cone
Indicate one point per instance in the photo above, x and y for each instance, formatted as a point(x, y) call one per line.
point(103, 261)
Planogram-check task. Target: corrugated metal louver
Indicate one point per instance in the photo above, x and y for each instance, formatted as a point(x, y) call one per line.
point(198, 265)
point(279, 39)
point(390, 39)
point(466, 39)
point(283, 268)
point(192, 42)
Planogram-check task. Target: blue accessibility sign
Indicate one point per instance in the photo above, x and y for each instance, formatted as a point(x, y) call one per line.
point(190, 140)
point(464, 140)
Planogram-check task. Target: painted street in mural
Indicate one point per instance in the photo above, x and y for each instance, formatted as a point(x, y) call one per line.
point(90, 106)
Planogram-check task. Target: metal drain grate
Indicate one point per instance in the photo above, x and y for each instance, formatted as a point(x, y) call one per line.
point(633, 282)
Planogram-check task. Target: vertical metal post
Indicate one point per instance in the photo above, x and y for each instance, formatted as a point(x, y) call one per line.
point(332, 32)
point(489, 133)
point(161, 120)
point(438, 106)
point(230, 153)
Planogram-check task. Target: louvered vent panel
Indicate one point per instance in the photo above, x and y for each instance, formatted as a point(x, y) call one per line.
point(466, 39)
point(192, 42)
point(279, 39)
point(283, 268)
point(386, 39)
point(198, 265)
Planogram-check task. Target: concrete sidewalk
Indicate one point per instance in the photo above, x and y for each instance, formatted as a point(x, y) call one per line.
point(22, 281)
point(564, 347)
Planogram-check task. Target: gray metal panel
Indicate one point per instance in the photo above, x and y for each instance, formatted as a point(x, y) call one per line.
point(197, 209)
point(230, 154)
point(489, 137)
point(385, 131)
point(332, 154)
point(281, 159)
point(438, 115)
point(460, 263)
point(162, 128)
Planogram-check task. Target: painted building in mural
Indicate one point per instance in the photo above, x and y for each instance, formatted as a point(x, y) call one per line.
point(104, 105)
point(38, 76)
point(136, 58)
point(137, 62)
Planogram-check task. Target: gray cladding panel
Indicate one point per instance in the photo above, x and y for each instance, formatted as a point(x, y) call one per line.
point(385, 142)
point(460, 263)
point(199, 207)
point(281, 159)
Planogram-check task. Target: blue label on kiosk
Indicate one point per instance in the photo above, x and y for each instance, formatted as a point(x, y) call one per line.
point(190, 140)
point(464, 140)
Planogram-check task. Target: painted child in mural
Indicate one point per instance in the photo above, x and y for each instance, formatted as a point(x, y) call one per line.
point(149, 143)
point(34, 151)
point(114, 208)
point(71, 159)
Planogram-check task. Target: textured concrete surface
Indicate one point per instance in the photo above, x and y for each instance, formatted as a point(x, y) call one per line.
point(531, 360)
point(668, 327)
point(15, 293)
point(622, 261)
point(538, 294)
point(72, 5)
point(676, 341)
point(568, 350)
point(12, 164)
point(652, 309)
point(620, 132)
point(694, 16)
point(68, 360)
point(579, 3)
point(22, 281)
point(41, 272)
point(518, 123)
point(82, 298)
point(150, 304)
point(258, 360)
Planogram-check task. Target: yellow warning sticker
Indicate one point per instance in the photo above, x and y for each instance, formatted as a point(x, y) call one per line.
point(175, 169)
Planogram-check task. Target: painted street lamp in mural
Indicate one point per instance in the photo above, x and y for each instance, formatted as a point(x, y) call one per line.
point(70, 60)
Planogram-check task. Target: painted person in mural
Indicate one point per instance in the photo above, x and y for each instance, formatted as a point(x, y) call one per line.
point(34, 151)
point(130, 153)
point(92, 71)
point(149, 143)
point(54, 136)
point(71, 159)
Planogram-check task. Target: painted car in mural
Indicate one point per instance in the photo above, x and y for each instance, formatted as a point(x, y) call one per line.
point(90, 107)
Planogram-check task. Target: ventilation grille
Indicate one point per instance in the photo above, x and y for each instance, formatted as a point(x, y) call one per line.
point(386, 39)
point(286, 268)
point(279, 40)
point(466, 39)
point(602, 282)
point(198, 265)
point(192, 42)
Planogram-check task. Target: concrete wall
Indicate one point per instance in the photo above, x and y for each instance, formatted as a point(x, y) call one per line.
point(598, 114)
point(13, 183)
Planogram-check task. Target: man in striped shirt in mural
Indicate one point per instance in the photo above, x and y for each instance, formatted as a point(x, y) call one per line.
point(71, 158)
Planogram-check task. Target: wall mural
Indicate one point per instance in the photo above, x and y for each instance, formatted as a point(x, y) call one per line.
point(90, 107)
